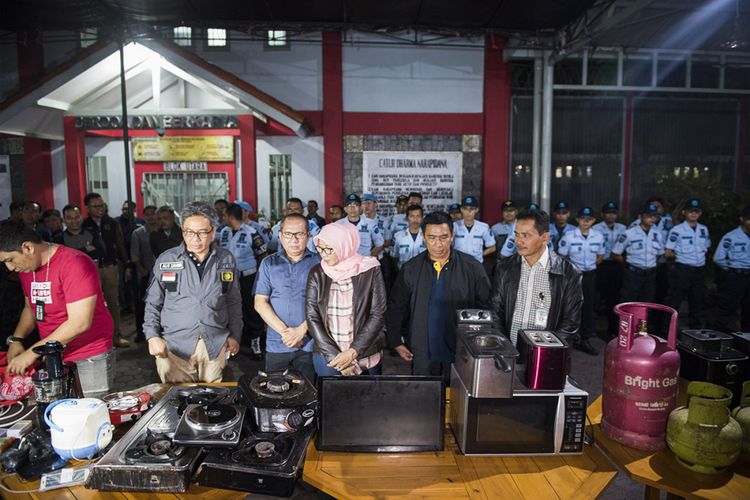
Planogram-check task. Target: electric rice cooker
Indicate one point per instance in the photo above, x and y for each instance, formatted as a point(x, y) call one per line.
point(79, 428)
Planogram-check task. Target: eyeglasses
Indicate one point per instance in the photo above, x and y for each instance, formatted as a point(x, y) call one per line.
point(297, 236)
point(324, 250)
point(201, 235)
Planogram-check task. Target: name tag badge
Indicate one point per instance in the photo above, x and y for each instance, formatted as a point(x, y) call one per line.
point(41, 292)
point(171, 265)
point(227, 276)
point(39, 311)
point(540, 317)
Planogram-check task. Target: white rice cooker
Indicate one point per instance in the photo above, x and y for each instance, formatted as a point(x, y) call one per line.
point(80, 428)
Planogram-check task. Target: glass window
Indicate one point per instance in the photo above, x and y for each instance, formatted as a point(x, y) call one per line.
point(183, 36)
point(216, 38)
point(96, 175)
point(176, 189)
point(277, 39)
point(88, 37)
point(281, 183)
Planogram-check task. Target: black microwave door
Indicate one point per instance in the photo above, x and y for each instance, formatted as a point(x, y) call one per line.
point(518, 425)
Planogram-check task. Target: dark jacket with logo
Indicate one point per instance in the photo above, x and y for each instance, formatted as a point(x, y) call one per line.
point(409, 300)
point(181, 306)
point(111, 234)
point(369, 312)
point(565, 285)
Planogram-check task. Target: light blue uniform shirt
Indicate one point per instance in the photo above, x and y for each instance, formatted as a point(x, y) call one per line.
point(664, 226)
point(556, 235)
point(509, 249)
point(642, 249)
point(582, 251)
point(397, 223)
point(406, 246)
point(261, 230)
point(689, 245)
point(502, 231)
point(369, 234)
point(312, 228)
point(734, 250)
point(245, 244)
point(472, 242)
point(610, 236)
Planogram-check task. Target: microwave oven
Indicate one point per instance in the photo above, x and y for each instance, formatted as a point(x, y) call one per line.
point(531, 422)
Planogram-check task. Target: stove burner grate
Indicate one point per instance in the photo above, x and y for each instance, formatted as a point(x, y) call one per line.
point(278, 386)
point(263, 450)
point(156, 448)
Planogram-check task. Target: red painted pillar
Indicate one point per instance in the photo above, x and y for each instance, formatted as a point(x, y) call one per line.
point(333, 120)
point(75, 160)
point(36, 159)
point(248, 160)
point(496, 109)
point(626, 154)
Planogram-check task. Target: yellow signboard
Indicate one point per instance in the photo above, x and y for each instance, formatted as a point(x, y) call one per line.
point(188, 148)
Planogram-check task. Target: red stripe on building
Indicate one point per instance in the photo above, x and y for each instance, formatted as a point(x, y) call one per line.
point(333, 129)
point(496, 133)
point(248, 161)
point(75, 160)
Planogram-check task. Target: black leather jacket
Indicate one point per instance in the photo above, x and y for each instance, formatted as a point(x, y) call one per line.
point(369, 312)
point(565, 285)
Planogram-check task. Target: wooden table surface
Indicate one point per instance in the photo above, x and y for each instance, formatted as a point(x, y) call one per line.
point(444, 474)
point(660, 471)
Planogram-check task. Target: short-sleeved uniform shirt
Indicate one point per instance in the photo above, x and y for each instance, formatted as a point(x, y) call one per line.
point(408, 245)
point(284, 283)
point(733, 251)
point(582, 250)
point(73, 276)
point(689, 245)
point(610, 235)
point(472, 240)
point(370, 236)
point(642, 248)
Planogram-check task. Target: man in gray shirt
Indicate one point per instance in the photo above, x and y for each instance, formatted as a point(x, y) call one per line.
point(193, 315)
point(143, 258)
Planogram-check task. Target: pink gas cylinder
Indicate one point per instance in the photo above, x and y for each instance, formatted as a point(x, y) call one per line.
point(640, 379)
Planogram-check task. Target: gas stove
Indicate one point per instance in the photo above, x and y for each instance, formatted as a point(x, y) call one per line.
point(281, 401)
point(146, 458)
point(210, 425)
point(267, 463)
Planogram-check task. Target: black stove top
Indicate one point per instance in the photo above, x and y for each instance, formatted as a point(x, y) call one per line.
point(280, 389)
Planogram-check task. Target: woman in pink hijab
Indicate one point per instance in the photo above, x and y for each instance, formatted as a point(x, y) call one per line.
point(345, 305)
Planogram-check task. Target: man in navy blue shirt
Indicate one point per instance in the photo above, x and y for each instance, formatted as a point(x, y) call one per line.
point(280, 298)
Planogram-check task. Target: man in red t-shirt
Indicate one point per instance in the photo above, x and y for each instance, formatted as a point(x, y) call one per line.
point(64, 300)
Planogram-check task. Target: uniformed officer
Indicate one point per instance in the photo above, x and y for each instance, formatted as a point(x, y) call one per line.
point(609, 272)
point(454, 210)
point(248, 248)
point(247, 210)
point(370, 210)
point(733, 256)
point(664, 224)
point(193, 319)
point(585, 248)
point(293, 206)
point(470, 235)
point(642, 245)
point(410, 242)
point(398, 221)
point(504, 229)
point(688, 244)
point(560, 216)
point(371, 240)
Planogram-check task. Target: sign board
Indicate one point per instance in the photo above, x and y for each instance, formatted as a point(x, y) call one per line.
point(183, 149)
point(437, 175)
point(147, 122)
point(186, 166)
point(6, 195)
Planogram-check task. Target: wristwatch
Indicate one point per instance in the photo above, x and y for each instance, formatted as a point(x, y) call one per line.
point(12, 339)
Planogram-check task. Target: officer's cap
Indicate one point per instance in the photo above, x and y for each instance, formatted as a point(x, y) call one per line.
point(352, 198)
point(369, 197)
point(649, 209)
point(454, 207)
point(533, 206)
point(402, 198)
point(470, 201)
point(561, 207)
point(509, 205)
point(245, 205)
point(586, 213)
point(609, 207)
point(693, 204)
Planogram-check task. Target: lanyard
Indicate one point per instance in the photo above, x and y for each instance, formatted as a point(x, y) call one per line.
point(49, 257)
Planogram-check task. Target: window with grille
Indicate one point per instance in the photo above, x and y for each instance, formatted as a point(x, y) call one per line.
point(183, 36)
point(177, 189)
point(216, 38)
point(277, 39)
point(280, 176)
point(96, 175)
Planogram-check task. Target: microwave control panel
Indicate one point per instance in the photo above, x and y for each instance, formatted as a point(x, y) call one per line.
point(575, 424)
